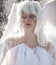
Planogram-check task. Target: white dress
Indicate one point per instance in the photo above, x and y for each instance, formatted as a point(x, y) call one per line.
point(24, 55)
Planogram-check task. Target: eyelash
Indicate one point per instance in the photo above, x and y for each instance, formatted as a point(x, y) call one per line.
point(24, 16)
point(30, 17)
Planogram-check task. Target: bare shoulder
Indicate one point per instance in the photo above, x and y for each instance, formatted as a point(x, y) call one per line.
point(11, 42)
point(15, 39)
point(18, 40)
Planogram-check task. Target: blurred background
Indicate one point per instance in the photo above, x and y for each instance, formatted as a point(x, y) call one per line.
point(49, 28)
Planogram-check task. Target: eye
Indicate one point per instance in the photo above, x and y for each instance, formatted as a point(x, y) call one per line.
point(32, 16)
point(23, 16)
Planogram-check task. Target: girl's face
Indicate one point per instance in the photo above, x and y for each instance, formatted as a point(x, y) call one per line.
point(29, 21)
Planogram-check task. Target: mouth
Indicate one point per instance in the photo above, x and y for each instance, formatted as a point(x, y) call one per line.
point(28, 25)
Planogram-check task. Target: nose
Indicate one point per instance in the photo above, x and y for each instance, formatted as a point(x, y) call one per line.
point(28, 19)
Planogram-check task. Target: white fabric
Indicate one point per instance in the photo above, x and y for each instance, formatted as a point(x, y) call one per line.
point(7, 44)
point(24, 55)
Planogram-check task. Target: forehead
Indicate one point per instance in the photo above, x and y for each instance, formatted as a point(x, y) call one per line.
point(30, 14)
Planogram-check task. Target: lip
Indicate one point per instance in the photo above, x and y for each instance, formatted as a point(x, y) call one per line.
point(28, 25)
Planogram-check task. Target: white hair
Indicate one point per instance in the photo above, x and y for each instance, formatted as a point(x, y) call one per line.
point(14, 23)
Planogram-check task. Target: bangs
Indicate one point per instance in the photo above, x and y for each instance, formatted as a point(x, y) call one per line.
point(28, 7)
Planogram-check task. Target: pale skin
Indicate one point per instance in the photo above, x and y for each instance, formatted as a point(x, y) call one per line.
point(30, 39)
point(29, 22)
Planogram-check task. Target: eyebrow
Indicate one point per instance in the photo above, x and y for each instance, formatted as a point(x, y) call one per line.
point(32, 15)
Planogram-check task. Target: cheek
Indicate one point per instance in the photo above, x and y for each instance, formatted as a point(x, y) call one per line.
point(35, 19)
point(22, 21)
point(33, 24)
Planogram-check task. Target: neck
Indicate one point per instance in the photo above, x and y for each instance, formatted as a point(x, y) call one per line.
point(29, 32)
point(31, 40)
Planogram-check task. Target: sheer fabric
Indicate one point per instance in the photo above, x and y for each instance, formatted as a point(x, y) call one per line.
point(22, 54)
point(6, 46)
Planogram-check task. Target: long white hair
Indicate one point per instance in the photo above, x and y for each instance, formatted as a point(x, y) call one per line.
point(14, 26)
